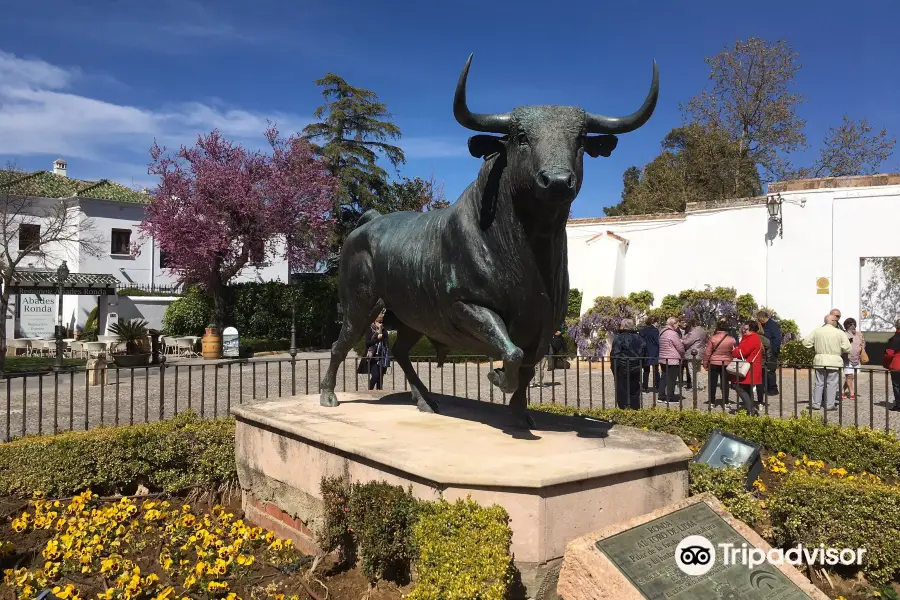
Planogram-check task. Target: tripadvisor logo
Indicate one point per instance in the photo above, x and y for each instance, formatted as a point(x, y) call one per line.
point(695, 555)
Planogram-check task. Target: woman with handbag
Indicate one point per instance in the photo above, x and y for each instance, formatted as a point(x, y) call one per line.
point(377, 357)
point(853, 359)
point(717, 356)
point(746, 367)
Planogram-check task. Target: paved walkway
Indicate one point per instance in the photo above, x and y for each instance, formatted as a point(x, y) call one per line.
point(35, 403)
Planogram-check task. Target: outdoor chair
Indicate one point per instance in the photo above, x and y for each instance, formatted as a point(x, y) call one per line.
point(76, 348)
point(186, 347)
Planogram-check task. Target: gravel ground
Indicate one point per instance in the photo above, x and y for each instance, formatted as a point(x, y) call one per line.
point(42, 404)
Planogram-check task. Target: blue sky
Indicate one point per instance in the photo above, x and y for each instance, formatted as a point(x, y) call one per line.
point(95, 82)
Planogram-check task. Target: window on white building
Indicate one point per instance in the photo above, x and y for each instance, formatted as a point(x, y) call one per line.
point(163, 262)
point(121, 241)
point(29, 237)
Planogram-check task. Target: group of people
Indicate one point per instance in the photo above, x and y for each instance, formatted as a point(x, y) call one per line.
point(676, 353)
point(747, 360)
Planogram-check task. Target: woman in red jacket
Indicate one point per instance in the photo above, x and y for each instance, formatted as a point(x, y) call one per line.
point(750, 350)
point(891, 362)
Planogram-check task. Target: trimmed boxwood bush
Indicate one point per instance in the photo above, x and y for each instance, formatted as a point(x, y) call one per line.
point(462, 552)
point(855, 449)
point(168, 455)
point(381, 519)
point(459, 551)
point(728, 485)
point(335, 534)
point(840, 513)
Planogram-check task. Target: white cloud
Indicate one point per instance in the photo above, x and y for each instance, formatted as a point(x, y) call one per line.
point(40, 114)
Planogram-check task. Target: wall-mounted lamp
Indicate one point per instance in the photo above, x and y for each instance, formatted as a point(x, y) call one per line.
point(773, 205)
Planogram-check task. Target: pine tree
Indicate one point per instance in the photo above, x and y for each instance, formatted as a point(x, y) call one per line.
point(353, 132)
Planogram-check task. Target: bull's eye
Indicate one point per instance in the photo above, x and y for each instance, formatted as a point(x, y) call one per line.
point(522, 139)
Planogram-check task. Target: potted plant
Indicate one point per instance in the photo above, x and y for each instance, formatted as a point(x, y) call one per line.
point(134, 334)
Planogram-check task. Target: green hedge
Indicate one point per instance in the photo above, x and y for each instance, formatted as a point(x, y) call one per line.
point(189, 315)
point(168, 455)
point(840, 513)
point(423, 350)
point(257, 346)
point(460, 551)
point(856, 449)
point(134, 292)
point(262, 310)
point(574, 310)
point(795, 354)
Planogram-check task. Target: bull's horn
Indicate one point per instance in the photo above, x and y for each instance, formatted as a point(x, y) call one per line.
point(487, 123)
point(603, 124)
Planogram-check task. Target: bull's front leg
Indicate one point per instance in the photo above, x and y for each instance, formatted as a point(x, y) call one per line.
point(486, 325)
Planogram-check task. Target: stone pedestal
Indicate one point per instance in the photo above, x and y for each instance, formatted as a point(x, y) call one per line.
point(568, 477)
point(97, 370)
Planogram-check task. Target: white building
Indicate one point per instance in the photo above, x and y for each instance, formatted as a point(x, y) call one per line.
point(114, 213)
point(825, 247)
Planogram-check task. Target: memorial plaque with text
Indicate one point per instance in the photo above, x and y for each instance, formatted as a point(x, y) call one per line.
point(646, 556)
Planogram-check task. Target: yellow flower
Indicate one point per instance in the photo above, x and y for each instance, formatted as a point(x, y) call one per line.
point(67, 593)
point(245, 559)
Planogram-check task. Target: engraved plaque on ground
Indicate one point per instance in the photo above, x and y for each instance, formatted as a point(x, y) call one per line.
point(646, 556)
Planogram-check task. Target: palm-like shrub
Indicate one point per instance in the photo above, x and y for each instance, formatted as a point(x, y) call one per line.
point(132, 332)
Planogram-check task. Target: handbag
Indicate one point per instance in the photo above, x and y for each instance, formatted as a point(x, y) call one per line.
point(863, 357)
point(739, 367)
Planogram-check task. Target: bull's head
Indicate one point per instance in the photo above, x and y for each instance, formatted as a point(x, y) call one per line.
point(545, 145)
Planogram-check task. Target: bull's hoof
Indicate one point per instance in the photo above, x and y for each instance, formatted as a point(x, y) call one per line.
point(328, 399)
point(425, 403)
point(524, 420)
point(499, 378)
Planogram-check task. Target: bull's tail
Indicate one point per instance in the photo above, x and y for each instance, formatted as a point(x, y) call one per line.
point(368, 216)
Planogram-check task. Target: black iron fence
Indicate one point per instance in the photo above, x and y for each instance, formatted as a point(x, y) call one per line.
point(42, 403)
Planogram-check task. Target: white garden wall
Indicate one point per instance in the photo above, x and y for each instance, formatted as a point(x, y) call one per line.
point(735, 244)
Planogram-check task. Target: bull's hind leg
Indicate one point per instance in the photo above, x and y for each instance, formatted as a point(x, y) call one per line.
point(518, 402)
point(352, 329)
point(486, 325)
point(406, 339)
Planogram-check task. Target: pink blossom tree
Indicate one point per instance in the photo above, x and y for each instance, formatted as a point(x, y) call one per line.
point(220, 208)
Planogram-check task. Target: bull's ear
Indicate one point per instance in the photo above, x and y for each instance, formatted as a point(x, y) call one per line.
point(485, 145)
point(600, 145)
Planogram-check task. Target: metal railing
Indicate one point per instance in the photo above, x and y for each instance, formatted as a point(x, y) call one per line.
point(39, 403)
point(174, 289)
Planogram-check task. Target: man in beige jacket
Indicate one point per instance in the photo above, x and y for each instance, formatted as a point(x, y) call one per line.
point(829, 342)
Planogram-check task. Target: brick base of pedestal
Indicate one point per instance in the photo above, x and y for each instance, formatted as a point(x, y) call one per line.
point(268, 516)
